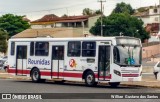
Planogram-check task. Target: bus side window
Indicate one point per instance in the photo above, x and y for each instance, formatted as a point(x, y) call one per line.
point(12, 48)
point(31, 48)
point(41, 48)
point(74, 48)
point(88, 49)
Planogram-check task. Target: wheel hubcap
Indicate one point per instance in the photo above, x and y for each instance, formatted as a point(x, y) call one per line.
point(89, 79)
point(35, 75)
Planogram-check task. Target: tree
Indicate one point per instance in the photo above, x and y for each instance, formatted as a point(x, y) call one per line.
point(13, 24)
point(97, 12)
point(123, 8)
point(121, 23)
point(90, 12)
point(87, 11)
point(3, 39)
point(64, 15)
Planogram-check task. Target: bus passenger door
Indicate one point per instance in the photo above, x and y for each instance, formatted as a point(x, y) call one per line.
point(57, 61)
point(21, 60)
point(104, 62)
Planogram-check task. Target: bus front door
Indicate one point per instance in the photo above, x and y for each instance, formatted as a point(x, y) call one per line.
point(57, 61)
point(21, 60)
point(104, 62)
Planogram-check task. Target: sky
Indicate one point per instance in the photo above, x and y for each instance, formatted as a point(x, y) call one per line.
point(35, 9)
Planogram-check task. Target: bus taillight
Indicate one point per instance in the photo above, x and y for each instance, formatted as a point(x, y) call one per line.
point(7, 69)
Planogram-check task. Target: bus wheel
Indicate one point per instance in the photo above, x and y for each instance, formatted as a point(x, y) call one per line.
point(114, 84)
point(35, 75)
point(90, 79)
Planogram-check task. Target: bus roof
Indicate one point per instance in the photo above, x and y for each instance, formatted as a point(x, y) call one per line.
point(70, 39)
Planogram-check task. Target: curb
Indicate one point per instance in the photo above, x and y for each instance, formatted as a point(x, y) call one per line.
point(134, 85)
point(14, 78)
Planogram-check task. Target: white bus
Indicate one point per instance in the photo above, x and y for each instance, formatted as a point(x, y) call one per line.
point(89, 59)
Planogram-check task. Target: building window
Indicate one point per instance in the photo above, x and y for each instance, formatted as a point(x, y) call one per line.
point(74, 48)
point(156, 18)
point(41, 48)
point(88, 49)
point(12, 48)
point(155, 10)
point(31, 48)
point(52, 26)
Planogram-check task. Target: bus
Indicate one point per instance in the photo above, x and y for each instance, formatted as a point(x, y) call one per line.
point(88, 59)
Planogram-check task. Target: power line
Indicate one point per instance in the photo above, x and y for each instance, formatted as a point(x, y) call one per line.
point(52, 9)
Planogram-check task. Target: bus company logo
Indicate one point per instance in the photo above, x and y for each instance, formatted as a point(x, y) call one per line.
point(6, 96)
point(72, 63)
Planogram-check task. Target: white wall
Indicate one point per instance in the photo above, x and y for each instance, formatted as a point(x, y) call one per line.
point(153, 38)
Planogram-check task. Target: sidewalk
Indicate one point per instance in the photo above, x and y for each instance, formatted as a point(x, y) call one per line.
point(147, 81)
point(5, 75)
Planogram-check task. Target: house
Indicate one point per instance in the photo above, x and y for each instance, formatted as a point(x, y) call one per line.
point(54, 26)
point(53, 21)
point(150, 15)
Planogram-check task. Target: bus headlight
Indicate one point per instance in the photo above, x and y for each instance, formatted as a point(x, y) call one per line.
point(117, 72)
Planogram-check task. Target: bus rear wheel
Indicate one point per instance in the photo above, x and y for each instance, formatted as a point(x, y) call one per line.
point(114, 84)
point(35, 75)
point(90, 79)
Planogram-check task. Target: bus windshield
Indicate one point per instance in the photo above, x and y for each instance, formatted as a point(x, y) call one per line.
point(127, 55)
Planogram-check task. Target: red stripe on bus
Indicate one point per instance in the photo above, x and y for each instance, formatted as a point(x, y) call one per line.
point(77, 75)
point(130, 75)
point(11, 71)
point(18, 71)
point(65, 74)
point(62, 74)
point(106, 77)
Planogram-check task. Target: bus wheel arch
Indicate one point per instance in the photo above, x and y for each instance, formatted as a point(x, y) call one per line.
point(89, 77)
point(35, 74)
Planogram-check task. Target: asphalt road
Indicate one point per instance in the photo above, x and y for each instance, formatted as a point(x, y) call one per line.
point(15, 86)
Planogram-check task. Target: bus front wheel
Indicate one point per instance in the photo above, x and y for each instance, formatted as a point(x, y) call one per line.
point(35, 75)
point(114, 84)
point(90, 79)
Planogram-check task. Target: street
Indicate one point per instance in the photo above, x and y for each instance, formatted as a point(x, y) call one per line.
point(25, 86)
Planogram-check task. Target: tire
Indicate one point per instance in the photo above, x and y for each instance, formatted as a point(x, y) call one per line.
point(114, 84)
point(158, 76)
point(35, 75)
point(5, 68)
point(90, 79)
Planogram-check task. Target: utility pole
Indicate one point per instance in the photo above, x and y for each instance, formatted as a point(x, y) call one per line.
point(101, 1)
point(159, 16)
